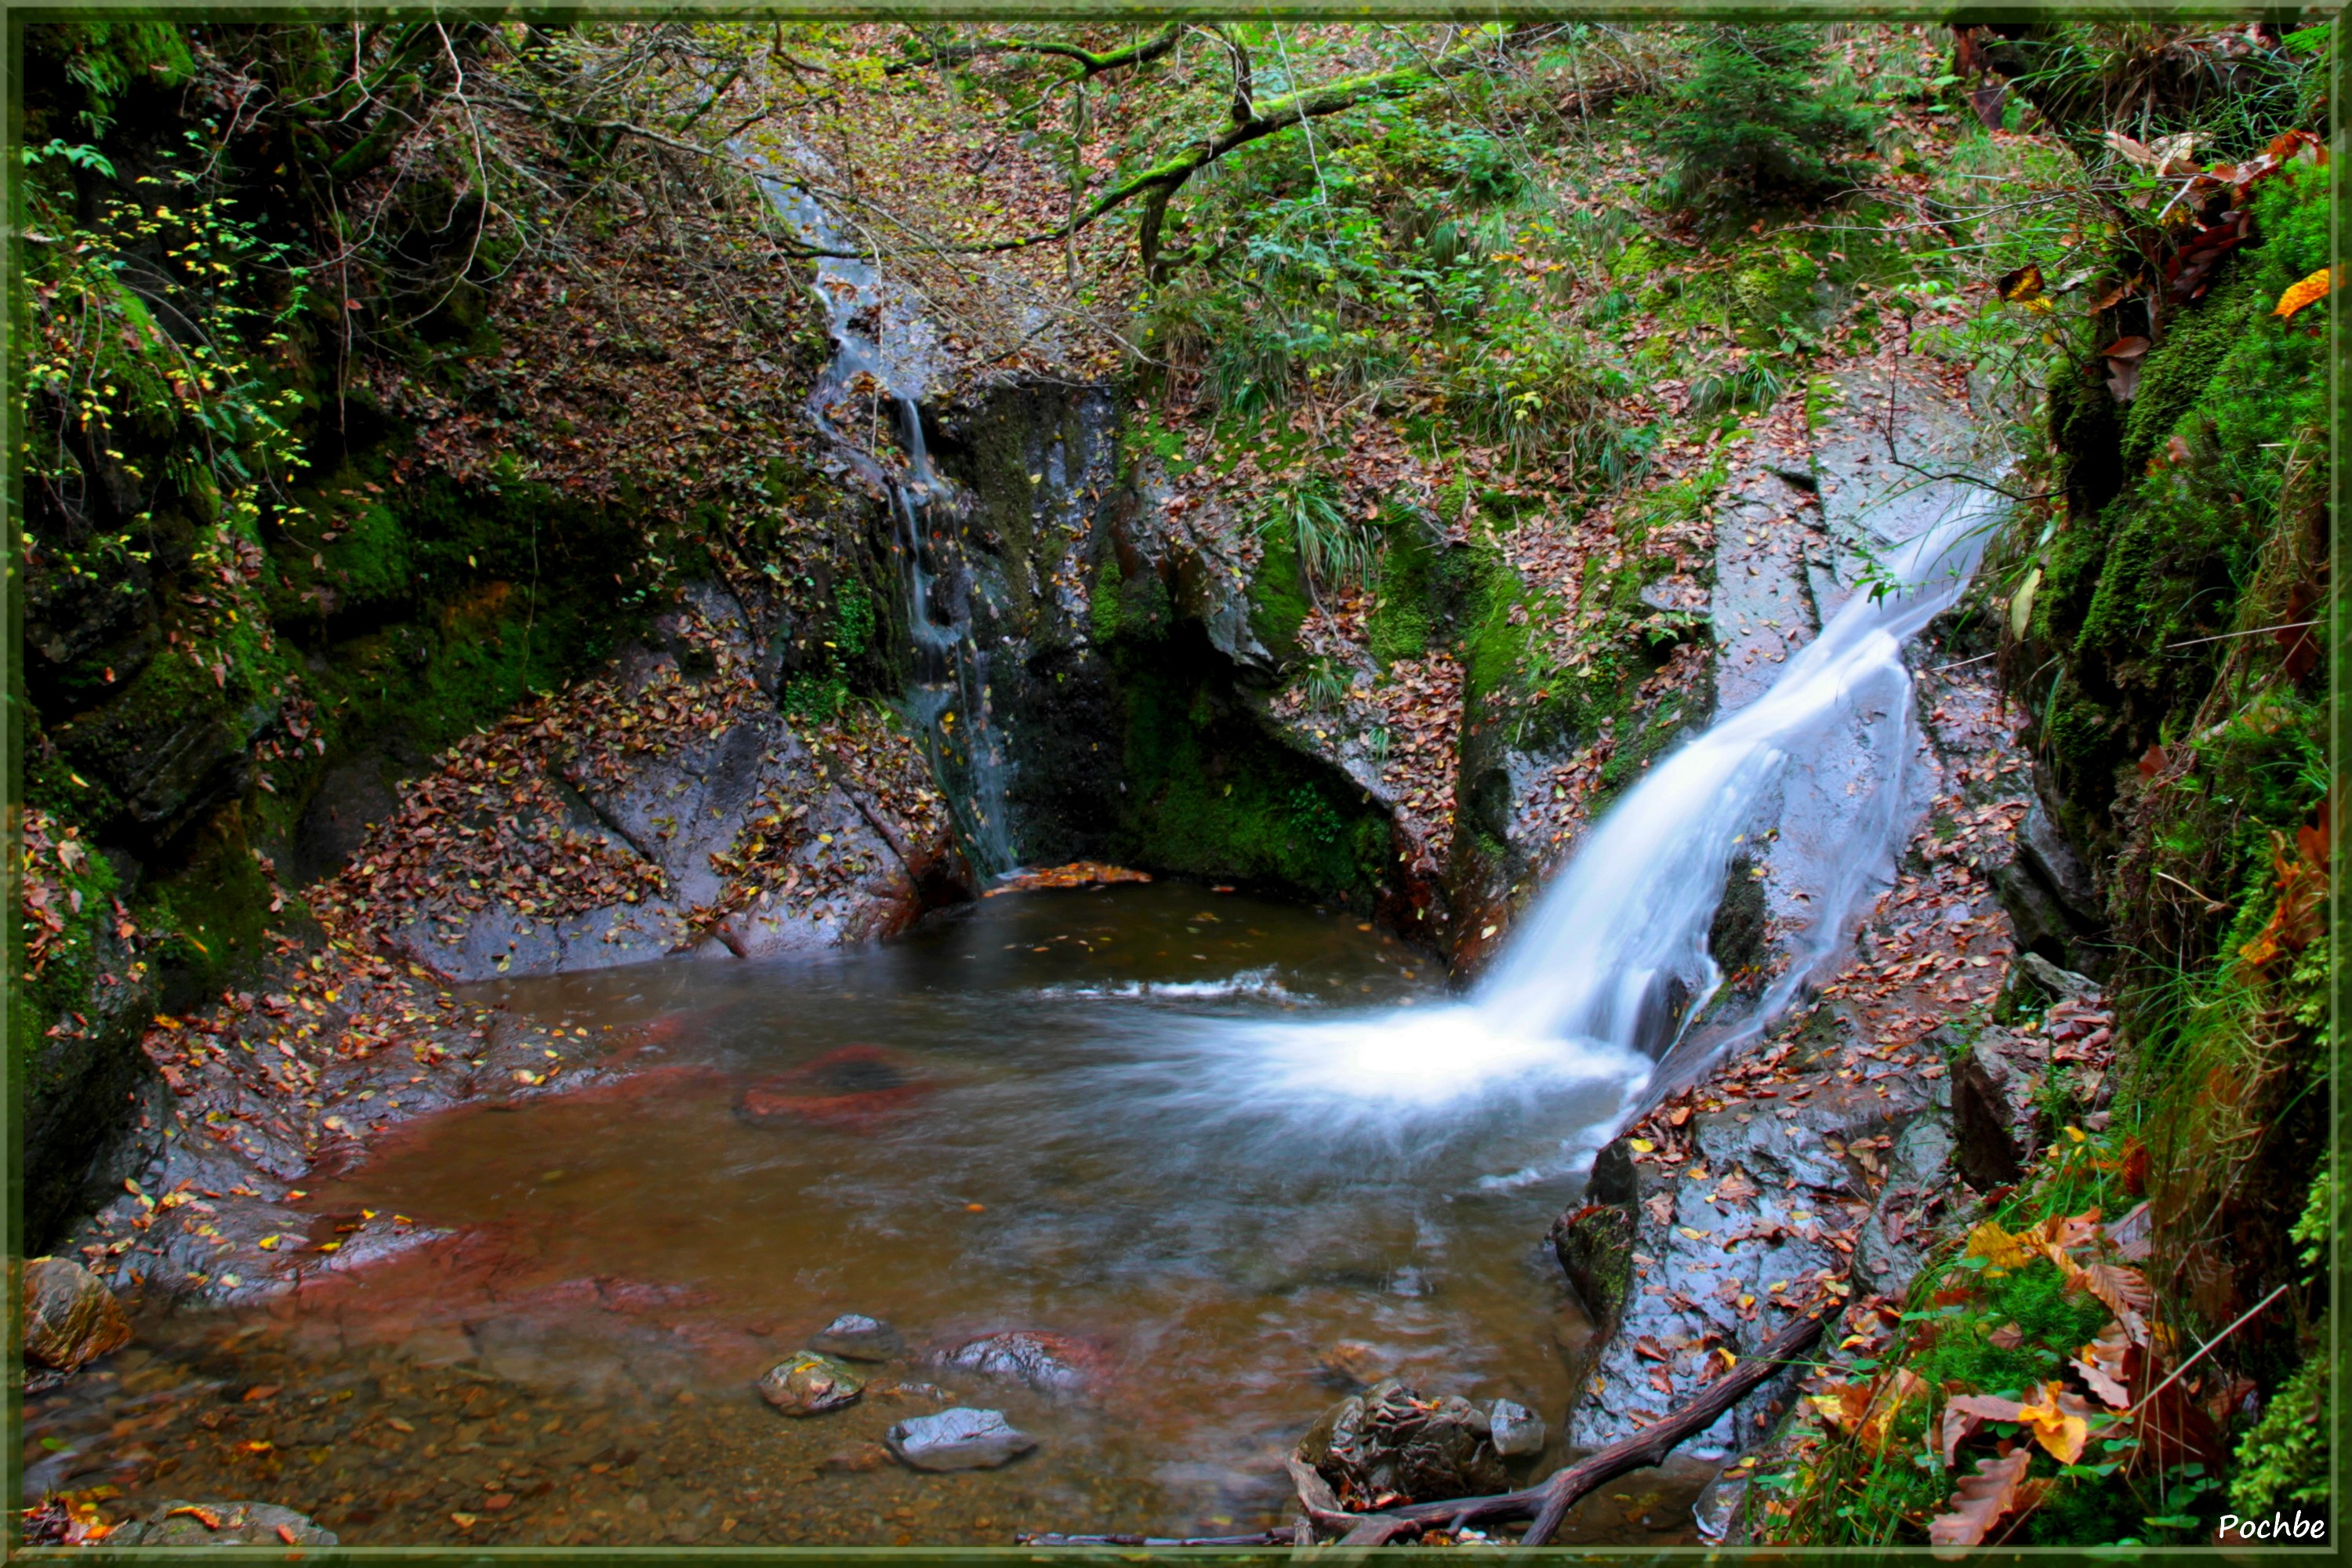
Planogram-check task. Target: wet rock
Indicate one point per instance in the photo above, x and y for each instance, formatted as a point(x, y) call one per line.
point(1912, 1212)
point(1709, 1250)
point(1048, 1362)
point(1355, 1364)
point(958, 1440)
point(1720, 1510)
point(1389, 1442)
point(853, 1336)
point(1993, 1112)
point(1763, 605)
point(2048, 856)
point(179, 1523)
point(70, 1317)
point(856, 1459)
point(1594, 1245)
point(1517, 1432)
point(810, 1384)
point(2040, 919)
point(853, 1088)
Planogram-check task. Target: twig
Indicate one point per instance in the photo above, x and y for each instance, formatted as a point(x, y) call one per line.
point(2205, 1350)
point(2225, 636)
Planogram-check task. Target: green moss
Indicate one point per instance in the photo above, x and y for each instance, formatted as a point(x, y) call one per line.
point(2282, 1461)
point(1277, 593)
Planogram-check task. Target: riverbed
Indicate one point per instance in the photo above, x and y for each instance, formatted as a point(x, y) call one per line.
point(1107, 1116)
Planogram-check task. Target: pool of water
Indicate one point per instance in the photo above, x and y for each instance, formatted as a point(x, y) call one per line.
point(1143, 1119)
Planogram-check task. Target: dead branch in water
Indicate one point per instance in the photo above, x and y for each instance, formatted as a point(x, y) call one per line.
point(1546, 1502)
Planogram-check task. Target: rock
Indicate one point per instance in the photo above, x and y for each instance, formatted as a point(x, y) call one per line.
point(70, 1317)
point(958, 1440)
point(853, 1336)
point(1993, 1113)
point(2038, 917)
point(1719, 1509)
point(1896, 1237)
point(179, 1523)
point(810, 1384)
point(1048, 1362)
point(1594, 1245)
point(2033, 983)
point(1356, 1365)
point(855, 1460)
point(853, 1089)
point(1390, 1442)
point(2049, 857)
point(1517, 1432)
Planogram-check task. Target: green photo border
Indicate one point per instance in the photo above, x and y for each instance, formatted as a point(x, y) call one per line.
point(2339, 645)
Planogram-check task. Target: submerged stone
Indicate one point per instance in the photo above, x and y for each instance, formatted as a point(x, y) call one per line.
point(70, 1317)
point(810, 1384)
point(178, 1523)
point(856, 1337)
point(1048, 1362)
point(958, 1440)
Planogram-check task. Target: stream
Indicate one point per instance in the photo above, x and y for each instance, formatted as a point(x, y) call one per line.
point(1019, 1118)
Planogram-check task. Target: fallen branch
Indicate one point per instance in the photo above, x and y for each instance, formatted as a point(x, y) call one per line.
point(1546, 1502)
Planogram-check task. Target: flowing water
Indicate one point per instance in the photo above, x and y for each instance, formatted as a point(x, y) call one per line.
point(879, 347)
point(1202, 1140)
point(1015, 1119)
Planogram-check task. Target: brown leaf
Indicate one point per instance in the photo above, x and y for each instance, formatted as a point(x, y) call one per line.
point(2110, 1365)
point(1984, 1499)
point(2007, 1337)
point(2123, 1289)
point(2125, 348)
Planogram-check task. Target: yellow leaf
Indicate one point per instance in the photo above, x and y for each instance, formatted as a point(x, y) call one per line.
point(1998, 1248)
point(1641, 1145)
point(2298, 295)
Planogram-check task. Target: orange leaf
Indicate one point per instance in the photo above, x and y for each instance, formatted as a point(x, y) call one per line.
point(1984, 1499)
point(2298, 295)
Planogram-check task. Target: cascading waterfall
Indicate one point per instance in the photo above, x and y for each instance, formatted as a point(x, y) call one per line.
point(950, 700)
point(1611, 966)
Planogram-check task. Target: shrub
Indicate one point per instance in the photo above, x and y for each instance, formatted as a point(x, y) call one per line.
point(1750, 121)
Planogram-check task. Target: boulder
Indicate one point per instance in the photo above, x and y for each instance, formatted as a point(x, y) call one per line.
point(1594, 1245)
point(2034, 984)
point(853, 1336)
point(1517, 1432)
point(2047, 853)
point(1389, 1443)
point(1048, 1362)
point(1994, 1119)
point(1903, 1226)
point(958, 1440)
point(810, 1384)
point(178, 1523)
point(70, 1317)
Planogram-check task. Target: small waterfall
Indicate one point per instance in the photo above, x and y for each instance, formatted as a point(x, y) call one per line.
point(873, 359)
point(1607, 973)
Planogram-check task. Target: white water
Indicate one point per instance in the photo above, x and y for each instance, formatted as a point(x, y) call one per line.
point(1611, 966)
point(876, 346)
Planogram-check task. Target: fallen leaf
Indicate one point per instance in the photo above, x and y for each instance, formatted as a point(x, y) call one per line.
point(2298, 295)
point(1997, 1489)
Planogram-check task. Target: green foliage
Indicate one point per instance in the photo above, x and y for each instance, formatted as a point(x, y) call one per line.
point(1335, 550)
point(2283, 1459)
point(1750, 121)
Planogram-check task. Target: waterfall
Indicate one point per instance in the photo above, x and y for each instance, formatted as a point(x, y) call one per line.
point(875, 350)
point(1611, 966)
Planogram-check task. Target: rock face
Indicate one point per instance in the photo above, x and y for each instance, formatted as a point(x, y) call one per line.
point(853, 1336)
point(1388, 1443)
point(810, 1384)
point(958, 1440)
point(1754, 1206)
point(668, 808)
point(1993, 1111)
point(178, 1523)
point(70, 1317)
point(2050, 898)
point(1048, 1362)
